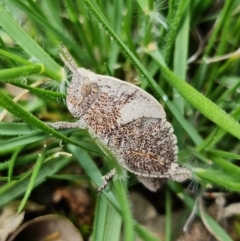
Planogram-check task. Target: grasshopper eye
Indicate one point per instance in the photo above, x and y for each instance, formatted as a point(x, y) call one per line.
point(86, 89)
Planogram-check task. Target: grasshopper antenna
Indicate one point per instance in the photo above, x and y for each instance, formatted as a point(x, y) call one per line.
point(67, 59)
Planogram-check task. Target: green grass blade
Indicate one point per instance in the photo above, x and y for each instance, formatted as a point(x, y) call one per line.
point(128, 224)
point(218, 178)
point(225, 154)
point(226, 166)
point(40, 92)
point(172, 32)
point(32, 180)
point(29, 45)
point(14, 57)
point(17, 110)
point(217, 134)
point(113, 224)
point(100, 218)
point(11, 144)
point(16, 188)
point(179, 68)
point(12, 163)
point(20, 161)
point(21, 71)
point(202, 103)
point(144, 234)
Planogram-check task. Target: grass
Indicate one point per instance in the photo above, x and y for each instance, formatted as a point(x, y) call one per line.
point(182, 52)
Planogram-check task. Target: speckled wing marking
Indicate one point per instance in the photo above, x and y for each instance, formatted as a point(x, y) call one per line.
point(145, 146)
point(103, 115)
